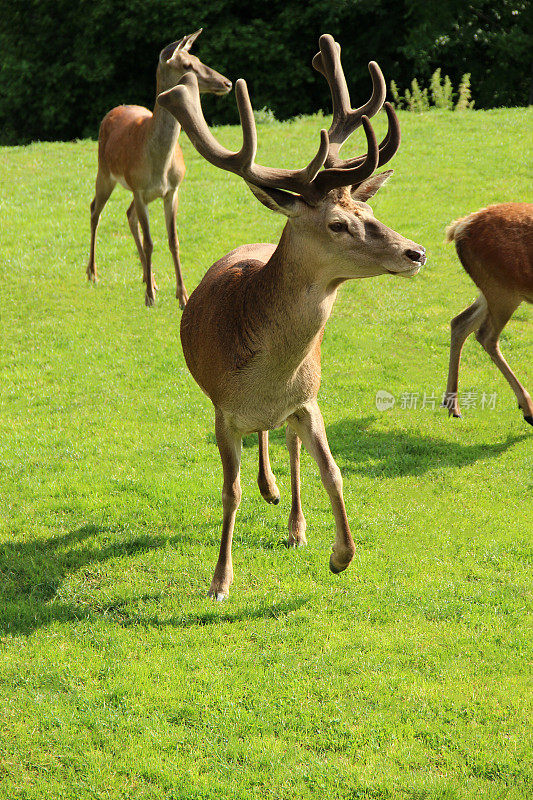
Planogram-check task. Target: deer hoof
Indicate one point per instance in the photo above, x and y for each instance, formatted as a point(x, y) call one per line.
point(337, 565)
point(300, 542)
point(217, 595)
point(219, 589)
point(149, 301)
point(297, 528)
point(270, 493)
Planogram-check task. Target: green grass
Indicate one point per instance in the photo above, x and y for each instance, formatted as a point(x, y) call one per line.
point(408, 676)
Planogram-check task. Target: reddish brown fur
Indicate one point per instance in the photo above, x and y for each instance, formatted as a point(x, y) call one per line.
point(140, 150)
point(495, 246)
point(126, 130)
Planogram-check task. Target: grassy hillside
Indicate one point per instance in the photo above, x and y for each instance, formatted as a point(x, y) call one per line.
point(408, 676)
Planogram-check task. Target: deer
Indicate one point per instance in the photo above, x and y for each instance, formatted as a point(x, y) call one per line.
point(495, 247)
point(252, 329)
point(139, 149)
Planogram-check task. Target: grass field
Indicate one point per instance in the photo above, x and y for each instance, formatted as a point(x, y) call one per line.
point(409, 675)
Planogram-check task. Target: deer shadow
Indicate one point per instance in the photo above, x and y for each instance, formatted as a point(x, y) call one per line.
point(398, 453)
point(33, 572)
point(213, 614)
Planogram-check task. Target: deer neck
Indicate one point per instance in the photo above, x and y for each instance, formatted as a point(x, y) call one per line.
point(165, 128)
point(299, 297)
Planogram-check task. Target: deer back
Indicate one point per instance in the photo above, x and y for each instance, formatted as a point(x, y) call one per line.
point(495, 246)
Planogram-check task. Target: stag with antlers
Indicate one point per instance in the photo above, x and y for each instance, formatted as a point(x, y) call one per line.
point(252, 329)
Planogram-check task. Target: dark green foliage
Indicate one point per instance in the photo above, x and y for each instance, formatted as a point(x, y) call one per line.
point(490, 39)
point(64, 65)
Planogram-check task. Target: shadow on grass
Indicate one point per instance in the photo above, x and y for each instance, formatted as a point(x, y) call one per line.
point(31, 574)
point(396, 453)
point(214, 614)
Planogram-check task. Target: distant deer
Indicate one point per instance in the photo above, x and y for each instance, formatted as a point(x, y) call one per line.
point(495, 246)
point(139, 149)
point(252, 329)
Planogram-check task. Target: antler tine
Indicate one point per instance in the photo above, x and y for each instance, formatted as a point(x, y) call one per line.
point(345, 119)
point(389, 144)
point(183, 102)
point(334, 177)
point(249, 131)
point(300, 181)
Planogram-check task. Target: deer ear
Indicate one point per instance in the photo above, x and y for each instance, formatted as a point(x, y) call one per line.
point(185, 43)
point(277, 200)
point(188, 41)
point(368, 188)
point(168, 51)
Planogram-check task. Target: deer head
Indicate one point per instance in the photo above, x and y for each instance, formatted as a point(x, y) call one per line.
point(326, 201)
point(176, 59)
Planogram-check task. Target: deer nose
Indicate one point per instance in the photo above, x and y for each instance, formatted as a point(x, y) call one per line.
point(418, 256)
point(228, 84)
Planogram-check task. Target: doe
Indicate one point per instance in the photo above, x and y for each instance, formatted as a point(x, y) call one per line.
point(139, 149)
point(252, 329)
point(495, 246)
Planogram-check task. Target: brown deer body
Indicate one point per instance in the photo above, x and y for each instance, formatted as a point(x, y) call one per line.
point(252, 329)
point(139, 149)
point(495, 246)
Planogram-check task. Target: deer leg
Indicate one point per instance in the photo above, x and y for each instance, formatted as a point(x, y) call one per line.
point(489, 338)
point(266, 479)
point(141, 210)
point(103, 189)
point(308, 424)
point(297, 523)
point(229, 445)
point(171, 207)
point(461, 327)
point(133, 222)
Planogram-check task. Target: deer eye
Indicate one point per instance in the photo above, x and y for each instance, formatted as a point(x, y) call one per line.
point(337, 227)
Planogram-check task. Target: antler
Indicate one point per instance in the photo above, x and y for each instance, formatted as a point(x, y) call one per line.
point(346, 119)
point(183, 101)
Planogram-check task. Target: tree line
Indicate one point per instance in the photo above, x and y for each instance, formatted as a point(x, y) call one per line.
point(63, 65)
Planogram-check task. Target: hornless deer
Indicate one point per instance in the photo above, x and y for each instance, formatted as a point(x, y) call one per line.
point(139, 149)
point(495, 246)
point(252, 329)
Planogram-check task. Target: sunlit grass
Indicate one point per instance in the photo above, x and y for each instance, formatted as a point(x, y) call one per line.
point(408, 676)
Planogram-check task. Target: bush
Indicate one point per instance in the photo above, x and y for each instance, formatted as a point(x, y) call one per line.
point(417, 99)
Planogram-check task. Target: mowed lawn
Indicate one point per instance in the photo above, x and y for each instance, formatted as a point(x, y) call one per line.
point(407, 676)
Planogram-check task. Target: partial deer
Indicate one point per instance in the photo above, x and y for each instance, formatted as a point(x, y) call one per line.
point(495, 246)
point(252, 329)
point(139, 149)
